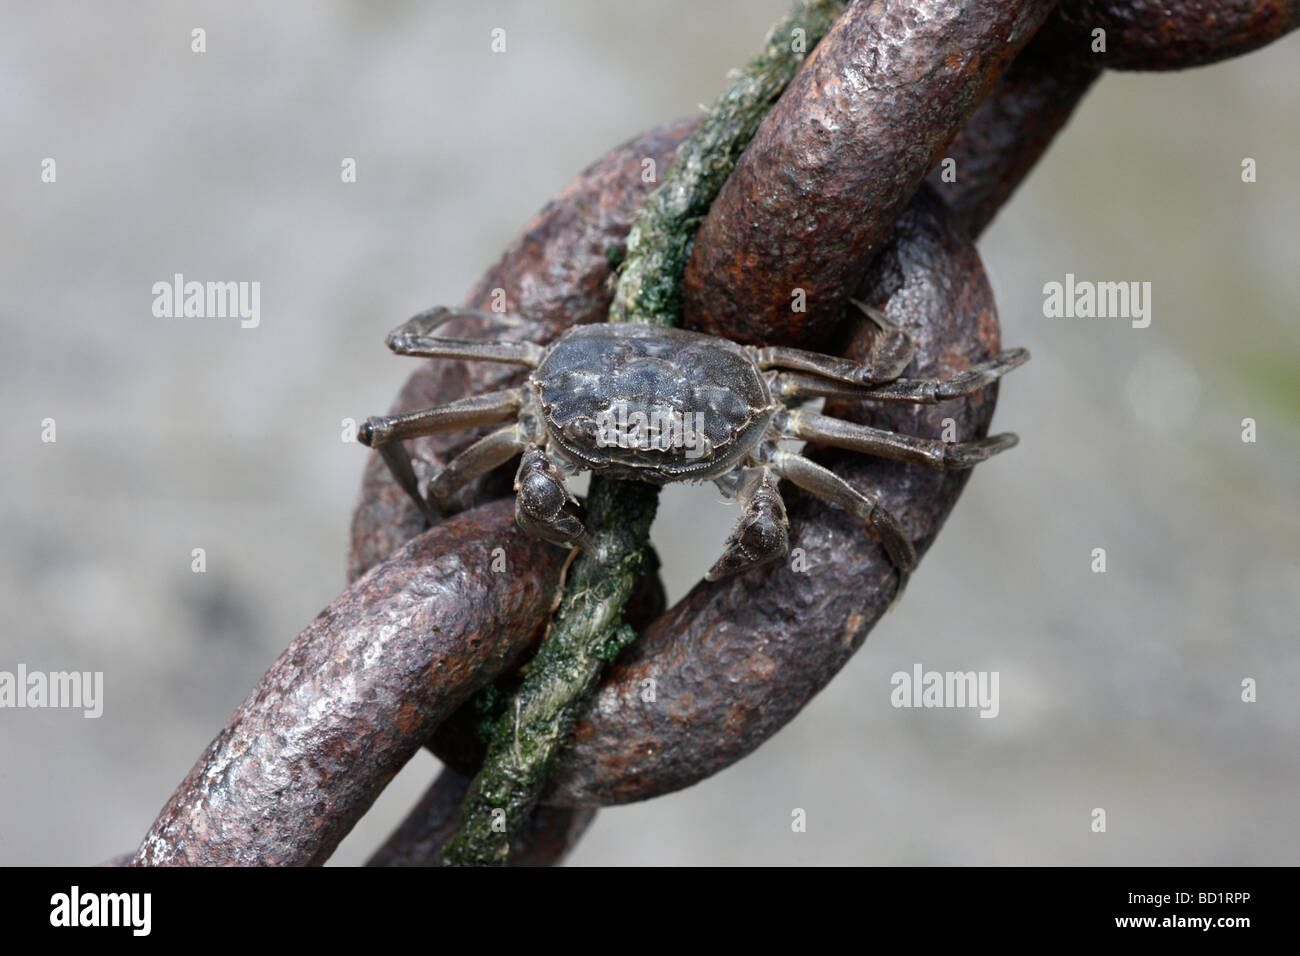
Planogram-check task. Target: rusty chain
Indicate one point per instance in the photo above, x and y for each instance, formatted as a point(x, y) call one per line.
point(829, 197)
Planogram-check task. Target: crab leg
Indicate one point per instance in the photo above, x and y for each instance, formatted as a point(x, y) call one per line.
point(883, 368)
point(488, 409)
point(891, 351)
point(761, 533)
point(385, 433)
point(920, 391)
point(937, 454)
point(478, 459)
point(416, 337)
point(829, 486)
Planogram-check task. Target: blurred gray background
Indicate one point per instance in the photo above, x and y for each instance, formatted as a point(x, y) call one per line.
point(1120, 690)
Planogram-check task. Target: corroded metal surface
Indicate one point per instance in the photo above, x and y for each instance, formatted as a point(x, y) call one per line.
point(1160, 35)
point(1011, 130)
point(735, 660)
point(355, 695)
point(838, 158)
point(251, 801)
point(1034, 98)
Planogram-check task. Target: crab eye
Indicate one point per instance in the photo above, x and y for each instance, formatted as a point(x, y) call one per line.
point(581, 430)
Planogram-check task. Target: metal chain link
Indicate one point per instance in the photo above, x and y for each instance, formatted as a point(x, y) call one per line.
point(307, 753)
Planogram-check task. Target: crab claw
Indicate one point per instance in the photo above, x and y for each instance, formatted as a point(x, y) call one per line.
point(891, 349)
point(761, 534)
point(544, 506)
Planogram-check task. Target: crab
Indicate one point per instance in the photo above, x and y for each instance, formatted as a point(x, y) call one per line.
point(660, 404)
